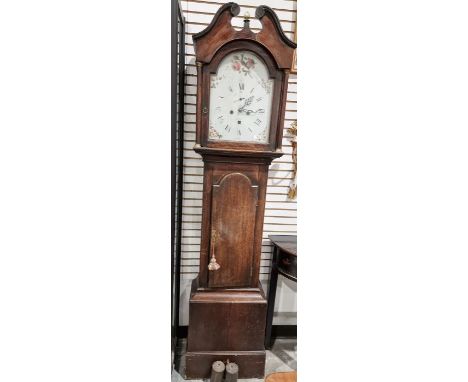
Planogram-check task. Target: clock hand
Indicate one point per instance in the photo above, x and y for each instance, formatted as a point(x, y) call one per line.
point(247, 102)
point(254, 111)
point(242, 107)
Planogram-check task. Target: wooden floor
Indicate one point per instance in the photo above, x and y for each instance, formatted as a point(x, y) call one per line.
point(288, 376)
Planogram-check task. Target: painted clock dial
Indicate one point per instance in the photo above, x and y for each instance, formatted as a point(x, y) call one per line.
point(240, 99)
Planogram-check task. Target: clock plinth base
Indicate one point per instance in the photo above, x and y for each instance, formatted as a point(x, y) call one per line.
point(226, 324)
point(251, 363)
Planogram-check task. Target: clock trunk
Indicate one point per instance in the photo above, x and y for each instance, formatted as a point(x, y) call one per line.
point(233, 211)
point(232, 221)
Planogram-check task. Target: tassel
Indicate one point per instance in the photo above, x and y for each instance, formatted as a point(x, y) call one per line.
point(213, 265)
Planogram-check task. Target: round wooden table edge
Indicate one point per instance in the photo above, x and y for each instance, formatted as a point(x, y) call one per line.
point(282, 376)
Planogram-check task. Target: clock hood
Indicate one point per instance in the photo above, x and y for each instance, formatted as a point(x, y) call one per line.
point(220, 32)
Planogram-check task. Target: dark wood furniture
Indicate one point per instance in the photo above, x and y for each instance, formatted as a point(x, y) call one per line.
point(284, 262)
point(227, 308)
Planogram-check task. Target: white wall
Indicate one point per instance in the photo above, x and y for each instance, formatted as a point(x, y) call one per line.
point(280, 212)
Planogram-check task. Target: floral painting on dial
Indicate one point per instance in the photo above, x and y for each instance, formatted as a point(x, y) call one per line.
point(240, 63)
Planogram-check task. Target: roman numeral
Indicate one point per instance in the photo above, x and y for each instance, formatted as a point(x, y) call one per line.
point(226, 128)
point(259, 99)
point(238, 132)
point(258, 122)
point(230, 89)
point(252, 90)
point(241, 86)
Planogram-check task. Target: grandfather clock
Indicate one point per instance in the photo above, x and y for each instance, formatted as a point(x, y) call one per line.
point(241, 97)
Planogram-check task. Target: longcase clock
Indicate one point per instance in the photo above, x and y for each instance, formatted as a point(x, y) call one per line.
point(241, 97)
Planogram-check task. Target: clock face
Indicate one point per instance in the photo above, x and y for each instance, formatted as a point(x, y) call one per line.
point(240, 99)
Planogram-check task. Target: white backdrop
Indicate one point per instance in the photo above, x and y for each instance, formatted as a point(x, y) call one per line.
point(84, 180)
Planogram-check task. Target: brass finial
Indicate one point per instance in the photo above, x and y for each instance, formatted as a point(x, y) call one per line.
point(246, 15)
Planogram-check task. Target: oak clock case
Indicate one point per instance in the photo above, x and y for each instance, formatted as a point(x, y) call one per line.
point(241, 95)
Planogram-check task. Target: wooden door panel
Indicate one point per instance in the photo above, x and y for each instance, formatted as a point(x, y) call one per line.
point(233, 217)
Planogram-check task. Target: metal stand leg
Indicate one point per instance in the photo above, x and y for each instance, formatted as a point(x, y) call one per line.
point(271, 299)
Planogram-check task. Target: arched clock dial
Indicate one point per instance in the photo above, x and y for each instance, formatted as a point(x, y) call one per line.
point(241, 95)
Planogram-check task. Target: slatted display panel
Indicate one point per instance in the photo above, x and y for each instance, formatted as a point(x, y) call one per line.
point(280, 214)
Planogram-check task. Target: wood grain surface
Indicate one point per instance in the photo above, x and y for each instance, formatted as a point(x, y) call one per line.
point(288, 376)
